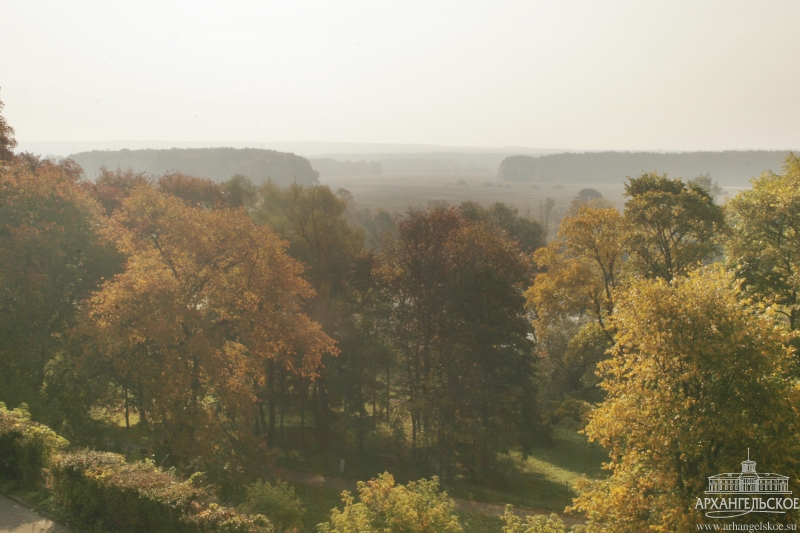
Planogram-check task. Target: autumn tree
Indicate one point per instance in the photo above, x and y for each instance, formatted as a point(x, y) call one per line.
point(571, 300)
point(384, 507)
point(765, 239)
point(581, 268)
point(675, 226)
point(7, 140)
point(111, 187)
point(194, 191)
point(697, 376)
point(208, 305)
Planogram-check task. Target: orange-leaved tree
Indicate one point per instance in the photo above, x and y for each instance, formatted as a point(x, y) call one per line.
point(207, 304)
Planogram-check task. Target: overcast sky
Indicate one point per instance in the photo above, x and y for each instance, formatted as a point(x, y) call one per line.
point(637, 75)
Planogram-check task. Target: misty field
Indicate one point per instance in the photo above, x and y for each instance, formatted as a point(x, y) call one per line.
point(397, 192)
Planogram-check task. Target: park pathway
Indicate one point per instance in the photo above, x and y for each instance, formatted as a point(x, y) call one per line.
point(16, 518)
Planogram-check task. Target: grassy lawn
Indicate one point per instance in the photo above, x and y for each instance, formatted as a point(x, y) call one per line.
point(544, 480)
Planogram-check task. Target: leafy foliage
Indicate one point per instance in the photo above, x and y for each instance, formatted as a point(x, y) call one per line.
point(765, 243)
point(277, 502)
point(675, 226)
point(459, 321)
point(206, 302)
point(102, 489)
point(51, 257)
point(582, 268)
point(697, 376)
point(528, 233)
point(384, 507)
point(532, 523)
point(25, 446)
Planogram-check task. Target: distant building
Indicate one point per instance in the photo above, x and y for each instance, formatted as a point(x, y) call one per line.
point(748, 481)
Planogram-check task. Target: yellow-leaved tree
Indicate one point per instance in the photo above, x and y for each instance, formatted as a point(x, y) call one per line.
point(765, 238)
point(697, 375)
point(207, 300)
point(417, 507)
point(581, 268)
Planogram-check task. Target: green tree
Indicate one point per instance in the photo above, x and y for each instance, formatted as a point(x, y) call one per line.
point(528, 233)
point(764, 247)
point(697, 376)
point(240, 192)
point(384, 507)
point(460, 325)
point(674, 226)
point(312, 219)
point(52, 256)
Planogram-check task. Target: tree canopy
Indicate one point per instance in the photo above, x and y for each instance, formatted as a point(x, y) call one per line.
point(696, 376)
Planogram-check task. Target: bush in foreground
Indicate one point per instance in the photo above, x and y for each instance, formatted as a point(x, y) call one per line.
point(25, 446)
point(278, 502)
point(532, 524)
point(102, 489)
point(417, 507)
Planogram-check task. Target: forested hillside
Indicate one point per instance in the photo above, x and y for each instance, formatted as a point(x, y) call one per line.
point(728, 168)
point(218, 164)
point(199, 343)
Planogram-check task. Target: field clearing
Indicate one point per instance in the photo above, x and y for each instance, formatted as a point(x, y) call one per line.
point(397, 192)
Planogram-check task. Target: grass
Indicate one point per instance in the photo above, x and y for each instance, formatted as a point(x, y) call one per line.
point(545, 479)
point(318, 501)
point(478, 523)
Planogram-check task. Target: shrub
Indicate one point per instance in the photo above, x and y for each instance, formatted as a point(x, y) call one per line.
point(532, 524)
point(102, 489)
point(25, 446)
point(418, 507)
point(278, 502)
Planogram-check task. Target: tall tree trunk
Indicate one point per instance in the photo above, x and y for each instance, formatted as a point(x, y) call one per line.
point(262, 419)
point(127, 411)
point(140, 403)
point(303, 395)
point(282, 401)
point(271, 401)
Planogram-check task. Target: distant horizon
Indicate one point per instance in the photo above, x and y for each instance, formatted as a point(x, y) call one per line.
point(324, 148)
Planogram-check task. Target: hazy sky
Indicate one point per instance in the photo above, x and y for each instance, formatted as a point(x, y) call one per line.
point(672, 75)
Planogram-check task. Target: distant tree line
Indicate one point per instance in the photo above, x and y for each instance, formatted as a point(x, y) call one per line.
point(332, 167)
point(729, 167)
point(410, 164)
point(217, 164)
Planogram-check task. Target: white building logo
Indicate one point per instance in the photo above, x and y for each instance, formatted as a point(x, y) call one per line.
point(748, 491)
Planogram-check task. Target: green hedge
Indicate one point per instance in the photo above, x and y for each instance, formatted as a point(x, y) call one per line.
point(102, 489)
point(25, 446)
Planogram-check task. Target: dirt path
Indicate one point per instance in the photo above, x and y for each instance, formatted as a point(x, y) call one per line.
point(484, 508)
point(16, 518)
